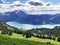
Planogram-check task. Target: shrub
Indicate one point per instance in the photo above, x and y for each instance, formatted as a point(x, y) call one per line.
point(49, 37)
point(40, 36)
point(43, 37)
point(14, 44)
point(10, 32)
point(54, 38)
point(4, 32)
point(48, 42)
point(58, 39)
point(37, 36)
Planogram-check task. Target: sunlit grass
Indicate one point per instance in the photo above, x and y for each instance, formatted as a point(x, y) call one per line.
point(18, 39)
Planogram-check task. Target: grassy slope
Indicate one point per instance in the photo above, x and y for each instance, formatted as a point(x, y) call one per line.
point(17, 39)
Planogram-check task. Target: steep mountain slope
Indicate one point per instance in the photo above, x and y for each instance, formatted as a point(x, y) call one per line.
point(12, 16)
point(22, 17)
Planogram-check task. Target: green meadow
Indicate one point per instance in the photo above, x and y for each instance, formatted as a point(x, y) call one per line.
point(18, 39)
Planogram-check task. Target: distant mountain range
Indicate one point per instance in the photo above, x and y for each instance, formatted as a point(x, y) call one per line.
point(35, 19)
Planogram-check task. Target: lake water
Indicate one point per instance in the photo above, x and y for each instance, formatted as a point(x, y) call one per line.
point(29, 26)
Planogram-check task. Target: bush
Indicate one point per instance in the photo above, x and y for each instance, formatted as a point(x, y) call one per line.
point(49, 37)
point(43, 37)
point(58, 39)
point(14, 44)
point(23, 33)
point(18, 31)
point(4, 32)
point(10, 32)
point(48, 42)
point(37, 36)
point(54, 38)
point(40, 36)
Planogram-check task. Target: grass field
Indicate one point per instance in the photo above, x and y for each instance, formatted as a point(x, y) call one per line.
point(18, 39)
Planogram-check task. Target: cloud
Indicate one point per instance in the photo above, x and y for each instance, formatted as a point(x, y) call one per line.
point(38, 3)
point(40, 7)
point(48, 4)
point(35, 2)
point(43, 10)
point(17, 2)
point(31, 7)
point(16, 5)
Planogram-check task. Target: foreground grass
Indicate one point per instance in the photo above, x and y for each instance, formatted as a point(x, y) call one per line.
point(17, 39)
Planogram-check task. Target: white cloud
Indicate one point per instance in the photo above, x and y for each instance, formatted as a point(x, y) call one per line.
point(17, 2)
point(43, 10)
point(11, 7)
point(46, 8)
point(30, 9)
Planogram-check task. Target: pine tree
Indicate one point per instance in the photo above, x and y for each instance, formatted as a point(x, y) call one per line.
point(28, 34)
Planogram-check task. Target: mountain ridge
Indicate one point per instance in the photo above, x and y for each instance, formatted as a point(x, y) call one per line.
point(24, 18)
